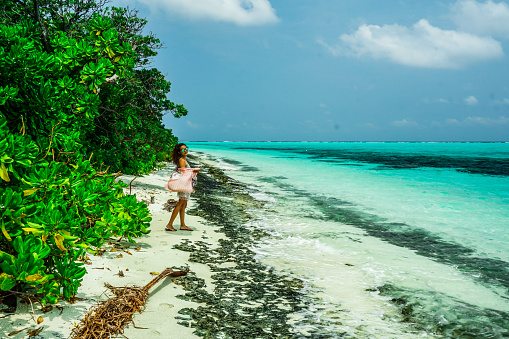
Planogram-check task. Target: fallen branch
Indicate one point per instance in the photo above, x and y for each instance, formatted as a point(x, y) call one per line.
point(109, 317)
point(131, 183)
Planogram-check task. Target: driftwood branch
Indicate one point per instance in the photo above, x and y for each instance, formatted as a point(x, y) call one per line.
point(166, 273)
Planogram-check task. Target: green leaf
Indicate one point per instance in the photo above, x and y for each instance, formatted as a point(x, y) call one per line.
point(3, 173)
point(7, 282)
point(4, 232)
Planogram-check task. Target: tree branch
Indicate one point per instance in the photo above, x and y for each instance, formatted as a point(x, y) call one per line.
point(43, 27)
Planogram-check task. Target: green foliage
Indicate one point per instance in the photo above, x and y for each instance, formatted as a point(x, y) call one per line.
point(27, 266)
point(73, 88)
point(68, 273)
point(51, 211)
point(84, 88)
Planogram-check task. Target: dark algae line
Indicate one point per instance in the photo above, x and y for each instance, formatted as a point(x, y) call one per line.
point(463, 320)
point(473, 165)
point(250, 300)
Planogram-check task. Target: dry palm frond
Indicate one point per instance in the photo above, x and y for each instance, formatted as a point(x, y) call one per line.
point(109, 317)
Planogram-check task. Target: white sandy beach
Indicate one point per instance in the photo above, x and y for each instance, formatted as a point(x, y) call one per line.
point(150, 253)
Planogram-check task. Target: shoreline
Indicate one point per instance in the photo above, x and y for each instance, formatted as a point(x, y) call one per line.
point(227, 292)
point(150, 253)
point(250, 299)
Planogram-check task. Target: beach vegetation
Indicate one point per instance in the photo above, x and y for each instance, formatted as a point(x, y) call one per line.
point(79, 106)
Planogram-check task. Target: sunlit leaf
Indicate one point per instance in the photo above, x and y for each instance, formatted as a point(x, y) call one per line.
point(3, 172)
point(4, 231)
point(59, 242)
point(30, 191)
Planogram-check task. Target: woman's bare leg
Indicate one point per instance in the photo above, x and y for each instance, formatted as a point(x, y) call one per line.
point(176, 210)
point(182, 215)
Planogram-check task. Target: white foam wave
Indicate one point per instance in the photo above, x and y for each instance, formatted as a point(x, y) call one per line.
point(225, 166)
point(261, 196)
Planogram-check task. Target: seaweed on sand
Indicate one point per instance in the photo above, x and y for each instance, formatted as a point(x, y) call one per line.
point(248, 298)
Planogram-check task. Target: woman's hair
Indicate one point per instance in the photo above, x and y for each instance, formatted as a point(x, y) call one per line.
point(176, 154)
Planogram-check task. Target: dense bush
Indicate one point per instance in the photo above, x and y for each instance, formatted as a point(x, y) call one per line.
point(77, 106)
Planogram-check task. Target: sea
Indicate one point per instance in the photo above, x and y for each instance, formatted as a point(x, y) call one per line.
point(392, 240)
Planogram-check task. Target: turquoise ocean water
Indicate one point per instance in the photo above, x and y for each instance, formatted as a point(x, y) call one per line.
point(392, 239)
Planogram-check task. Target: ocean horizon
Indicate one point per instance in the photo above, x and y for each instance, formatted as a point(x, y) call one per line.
point(352, 142)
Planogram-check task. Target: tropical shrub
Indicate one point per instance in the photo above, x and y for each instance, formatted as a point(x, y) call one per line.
point(51, 212)
point(77, 108)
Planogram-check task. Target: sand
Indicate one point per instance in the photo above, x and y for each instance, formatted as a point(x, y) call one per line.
point(150, 253)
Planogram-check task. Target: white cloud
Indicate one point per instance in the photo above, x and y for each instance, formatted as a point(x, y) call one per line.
point(192, 125)
point(421, 45)
point(502, 120)
point(436, 101)
point(481, 18)
point(404, 123)
point(471, 100)
point(240, 12)
point(452, 122)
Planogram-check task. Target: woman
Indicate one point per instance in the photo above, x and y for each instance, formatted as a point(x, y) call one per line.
point(178, 156)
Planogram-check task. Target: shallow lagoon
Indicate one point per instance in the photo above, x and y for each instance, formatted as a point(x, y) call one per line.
point(385, 246)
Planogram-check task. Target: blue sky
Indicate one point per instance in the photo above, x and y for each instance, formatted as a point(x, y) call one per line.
point(334, 70)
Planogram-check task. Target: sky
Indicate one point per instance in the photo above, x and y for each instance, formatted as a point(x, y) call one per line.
point(334, 70)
